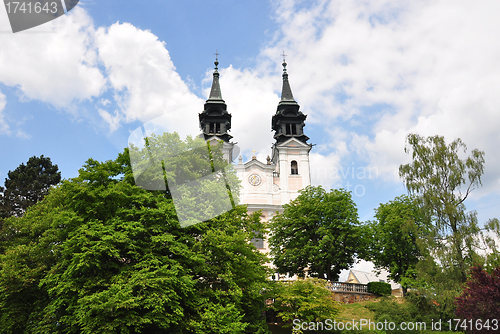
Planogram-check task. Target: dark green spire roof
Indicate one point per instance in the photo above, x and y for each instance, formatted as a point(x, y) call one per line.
point(215, 93)
point(286, 92)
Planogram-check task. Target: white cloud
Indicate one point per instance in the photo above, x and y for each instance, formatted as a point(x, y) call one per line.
point(4, 127)
point(144, 79)
point(252, 102)
point(61, 65)
point(432, 67)
point(56, 65)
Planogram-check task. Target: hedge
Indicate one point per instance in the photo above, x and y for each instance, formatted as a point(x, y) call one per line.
point(379, 288)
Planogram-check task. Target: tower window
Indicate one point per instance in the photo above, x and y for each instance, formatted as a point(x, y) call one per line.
point(291, 129)
point(294, 168)
point(215, 128)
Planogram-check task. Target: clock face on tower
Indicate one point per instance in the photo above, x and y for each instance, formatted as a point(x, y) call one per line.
point(254, 180)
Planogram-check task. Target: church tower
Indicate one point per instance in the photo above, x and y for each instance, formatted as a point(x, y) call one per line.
point(215, 121)
point(268, 185)
point(291, 150)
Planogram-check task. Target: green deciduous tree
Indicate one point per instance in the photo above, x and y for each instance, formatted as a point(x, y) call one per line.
point(396, 237)
point(491, 237)
point(305, 299)
point(101, 255)
point(443, 180)
point(27, 185)
point(318, 231)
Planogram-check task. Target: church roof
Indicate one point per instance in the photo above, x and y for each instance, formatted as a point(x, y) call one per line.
point(286, 91)
point(215, 92)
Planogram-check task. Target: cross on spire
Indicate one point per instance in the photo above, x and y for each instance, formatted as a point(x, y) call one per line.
point(216, 58)
point(284, 63)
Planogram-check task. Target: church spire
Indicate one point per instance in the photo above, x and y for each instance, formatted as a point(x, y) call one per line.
point(289, 121)
point(215, 93)
point(286, 91)
point(215, 120)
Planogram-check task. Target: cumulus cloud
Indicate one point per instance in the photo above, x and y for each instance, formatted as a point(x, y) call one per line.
point(57, 65)
point(398, 67)
point(68, 61)
point(252, 101)
point(144, 82)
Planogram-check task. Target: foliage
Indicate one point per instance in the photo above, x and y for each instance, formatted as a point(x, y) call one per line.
point(194, 173)
point(101, 255)
point(26, 185)
point(396, 237)
point(415, 308)
point(305, 299)
point(318, 231)
point(481, 297)
point(491, 236)
point(443, 181)
point(433, 281)
point(379, 288)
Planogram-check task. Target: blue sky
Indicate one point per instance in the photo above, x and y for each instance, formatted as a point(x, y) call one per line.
point(365, 73)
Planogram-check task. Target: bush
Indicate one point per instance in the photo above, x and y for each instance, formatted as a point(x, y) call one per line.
point(415, 308)
point(306, 299)
point(380, 288)
point(480, 298)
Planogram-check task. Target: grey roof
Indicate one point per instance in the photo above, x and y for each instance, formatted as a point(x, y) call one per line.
point(364, 277)
point(215, 92)
point(286, 91)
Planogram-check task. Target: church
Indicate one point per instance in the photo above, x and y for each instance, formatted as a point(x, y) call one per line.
point(266, 185)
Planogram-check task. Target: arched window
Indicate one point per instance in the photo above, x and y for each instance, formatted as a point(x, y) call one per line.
point(295, 168)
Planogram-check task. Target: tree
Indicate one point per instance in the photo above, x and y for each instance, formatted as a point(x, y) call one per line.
point(318, 232)
point(395, 239)
point(491, 236)
point(480, 301)
point(443, 181)
point(100, 254)
point(27, 185)
point(306, 299)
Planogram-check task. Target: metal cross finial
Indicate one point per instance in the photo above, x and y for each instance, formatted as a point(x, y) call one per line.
point(284, 63)
point(216, 58)
point(254, 157)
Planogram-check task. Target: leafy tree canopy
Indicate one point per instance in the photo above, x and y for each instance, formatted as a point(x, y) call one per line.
point(396, 237)
point(305, 299)
point(319, 232)
point(443, 180)
point(101, 255)
point(27, 185)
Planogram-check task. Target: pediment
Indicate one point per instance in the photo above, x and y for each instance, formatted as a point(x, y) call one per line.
point(293, 142)
point(260, 165)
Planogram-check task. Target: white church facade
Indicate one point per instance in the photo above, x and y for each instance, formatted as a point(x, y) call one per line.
point(266, 185)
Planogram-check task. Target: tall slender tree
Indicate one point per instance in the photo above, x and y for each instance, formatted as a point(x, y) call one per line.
point(443, 181)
